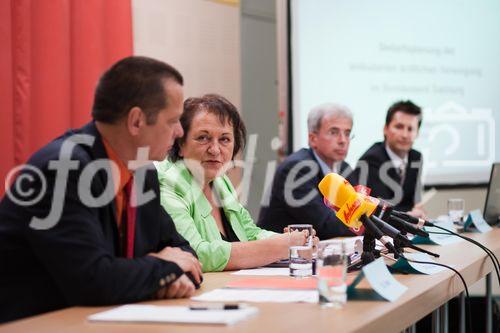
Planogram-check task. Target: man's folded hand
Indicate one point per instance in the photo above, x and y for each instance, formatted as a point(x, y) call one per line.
point(185, 260)
point(180, 288)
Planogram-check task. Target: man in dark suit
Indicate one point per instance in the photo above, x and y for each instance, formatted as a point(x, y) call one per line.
point(82, 223)
point(294, 195)
point(392, 168)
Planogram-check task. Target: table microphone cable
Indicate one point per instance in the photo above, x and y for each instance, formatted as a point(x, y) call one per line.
point(490, 253)
point(421, 223)
point(493, 256)
point(468, 315)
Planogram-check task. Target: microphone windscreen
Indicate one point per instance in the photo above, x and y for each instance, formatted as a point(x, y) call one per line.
point(340, 194)
point(336, 189)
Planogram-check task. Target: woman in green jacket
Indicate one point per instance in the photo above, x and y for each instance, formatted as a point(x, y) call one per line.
point(201, 199)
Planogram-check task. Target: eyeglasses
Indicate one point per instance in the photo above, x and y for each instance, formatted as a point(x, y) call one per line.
point(336, 133)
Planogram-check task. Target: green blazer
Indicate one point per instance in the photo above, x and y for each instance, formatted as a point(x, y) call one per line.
point(183, 199)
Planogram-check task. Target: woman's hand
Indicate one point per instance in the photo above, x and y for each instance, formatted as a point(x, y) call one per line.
point(297, 238)
point(285, 240)
point(315, 239)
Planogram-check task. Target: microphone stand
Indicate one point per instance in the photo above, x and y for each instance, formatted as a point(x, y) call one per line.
point(399, 239)
point(369, 253)
point(371, 234)
point(398, 243)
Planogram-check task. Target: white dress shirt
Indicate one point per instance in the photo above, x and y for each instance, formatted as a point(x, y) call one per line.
point(325, 168)
point(398, 162)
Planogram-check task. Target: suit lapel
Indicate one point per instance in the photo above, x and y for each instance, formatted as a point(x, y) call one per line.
point(392, 170)
point(320, 174)
point(97, 151)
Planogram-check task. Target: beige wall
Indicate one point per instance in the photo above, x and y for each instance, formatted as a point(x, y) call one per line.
point(474, 198)
point(200, 38)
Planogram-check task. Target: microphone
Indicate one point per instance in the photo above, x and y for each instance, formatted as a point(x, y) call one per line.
point(343, 198)
point(355, 209)
point(405, 226)
point(350, 205)
point(396, 235)
point(375, 207)
point(377, 233)
point(412, 219)
point(384, 211)
point(390, 230)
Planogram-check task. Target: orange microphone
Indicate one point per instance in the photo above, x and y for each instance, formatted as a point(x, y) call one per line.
point(348, 204)
point(352, 208)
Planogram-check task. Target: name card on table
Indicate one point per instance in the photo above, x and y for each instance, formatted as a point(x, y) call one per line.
point(413, 267)
point(382, 281)
point(475, 219)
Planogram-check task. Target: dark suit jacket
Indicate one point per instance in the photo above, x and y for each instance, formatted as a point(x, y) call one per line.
point(78, 261)
point(374, 159)
point(281, 212)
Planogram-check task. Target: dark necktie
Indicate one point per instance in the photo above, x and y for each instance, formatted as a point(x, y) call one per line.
point(401, 172)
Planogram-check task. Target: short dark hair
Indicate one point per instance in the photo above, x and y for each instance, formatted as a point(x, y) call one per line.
point(133, 81)
point(407, 107)
point(217, 105)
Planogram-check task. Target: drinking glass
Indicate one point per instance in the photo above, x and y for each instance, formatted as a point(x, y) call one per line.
point(331, 267)
point(301, 256)
point(456, 210)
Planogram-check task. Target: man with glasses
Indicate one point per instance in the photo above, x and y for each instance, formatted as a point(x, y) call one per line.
point(294, 195)
point(392, 168)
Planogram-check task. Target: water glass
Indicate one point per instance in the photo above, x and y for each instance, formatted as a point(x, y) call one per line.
point(301, 256)
point(456, 210)
point(331, 268)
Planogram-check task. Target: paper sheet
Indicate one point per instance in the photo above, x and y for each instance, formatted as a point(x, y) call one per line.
point(424, 268)
point(441, 239)
point(172, 314)
point(275, 271)
point(258, 295)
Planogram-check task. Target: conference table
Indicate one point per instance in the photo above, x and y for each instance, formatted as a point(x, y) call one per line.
point(425, 294)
